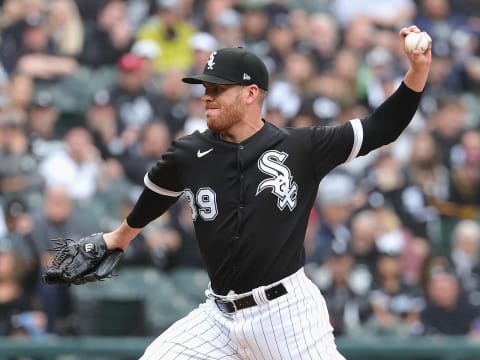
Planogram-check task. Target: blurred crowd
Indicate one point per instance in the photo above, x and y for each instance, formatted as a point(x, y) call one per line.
point(91, 95)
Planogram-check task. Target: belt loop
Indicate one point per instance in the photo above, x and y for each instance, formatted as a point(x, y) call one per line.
point(259, 295)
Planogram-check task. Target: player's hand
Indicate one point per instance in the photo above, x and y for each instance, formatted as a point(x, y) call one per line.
point(419, 60)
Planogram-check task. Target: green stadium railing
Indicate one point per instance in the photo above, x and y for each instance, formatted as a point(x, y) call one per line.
point(379, 348)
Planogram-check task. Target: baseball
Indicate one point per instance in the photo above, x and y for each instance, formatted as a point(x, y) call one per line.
point(414, 41)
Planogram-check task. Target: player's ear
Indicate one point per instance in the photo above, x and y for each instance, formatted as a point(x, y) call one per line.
point(251, 93)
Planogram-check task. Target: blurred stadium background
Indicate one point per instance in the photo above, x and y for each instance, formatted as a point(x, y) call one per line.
point(91, 95)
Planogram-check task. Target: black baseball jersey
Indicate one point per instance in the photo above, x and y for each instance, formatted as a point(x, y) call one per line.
point(250, 201)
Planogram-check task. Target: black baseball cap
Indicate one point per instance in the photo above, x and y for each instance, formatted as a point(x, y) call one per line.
point(232, 66)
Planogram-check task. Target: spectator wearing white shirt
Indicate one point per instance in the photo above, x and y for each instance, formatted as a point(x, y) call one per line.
point(75, 167)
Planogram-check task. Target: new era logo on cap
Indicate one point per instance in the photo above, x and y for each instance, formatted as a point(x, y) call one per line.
point(233, 66)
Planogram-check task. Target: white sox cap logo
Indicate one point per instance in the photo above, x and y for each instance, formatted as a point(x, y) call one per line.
point(281, 181)
point(210, 61)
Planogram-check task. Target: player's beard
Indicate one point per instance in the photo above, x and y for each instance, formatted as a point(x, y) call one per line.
point(226, 117)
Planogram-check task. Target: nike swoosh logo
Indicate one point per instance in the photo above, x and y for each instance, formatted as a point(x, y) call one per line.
point(203, 153)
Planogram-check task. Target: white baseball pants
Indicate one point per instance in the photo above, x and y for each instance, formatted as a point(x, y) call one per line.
point(293, 326)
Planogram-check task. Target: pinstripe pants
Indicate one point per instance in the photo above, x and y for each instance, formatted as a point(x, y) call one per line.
point(293, 326)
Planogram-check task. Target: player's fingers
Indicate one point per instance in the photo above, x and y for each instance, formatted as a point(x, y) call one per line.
point(408, 29)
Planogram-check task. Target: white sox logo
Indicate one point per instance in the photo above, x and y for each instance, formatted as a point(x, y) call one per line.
point(281, 182)
point(210, 61)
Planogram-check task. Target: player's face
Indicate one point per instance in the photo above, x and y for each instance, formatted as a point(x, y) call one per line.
point(223, 106)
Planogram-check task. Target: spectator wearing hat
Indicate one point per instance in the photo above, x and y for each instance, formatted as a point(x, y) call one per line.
point(134, 102)
point(334, 204)
point(171, 32)
point(101, 121)
point(149, 51)
point(42, 121)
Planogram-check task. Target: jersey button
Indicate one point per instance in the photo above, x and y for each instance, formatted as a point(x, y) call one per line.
point(241, 147)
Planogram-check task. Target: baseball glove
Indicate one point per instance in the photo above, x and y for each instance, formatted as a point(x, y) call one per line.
point(82, 261)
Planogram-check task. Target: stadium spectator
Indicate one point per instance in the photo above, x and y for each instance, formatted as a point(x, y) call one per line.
point(394, 14)
point(171, 104)
point(345, 287)
point(149, 52)
point(281, 41)
point(170, 30)
point(464, 187)
point(425, 169)
point(387, 186)
point(19, 175)
point(57, 218)
point(322, 41)
point(19, 93)
point(447, 310)
point(65, 27)
point(396, 304)
point(134, 102)
point(37, 55)
point(187, 253)
point(465, 256)
point(101, 121)
point(334, 204)
point(18, 312)
point(364, 229)
point(76, 167)
point(227, 28)
point(42, 125)
point(153, 141)
point(108, 36)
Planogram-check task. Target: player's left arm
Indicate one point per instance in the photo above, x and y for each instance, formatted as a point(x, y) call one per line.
point(388, 121)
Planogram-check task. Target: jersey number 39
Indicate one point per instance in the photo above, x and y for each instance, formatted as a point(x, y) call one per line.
point(203, 204)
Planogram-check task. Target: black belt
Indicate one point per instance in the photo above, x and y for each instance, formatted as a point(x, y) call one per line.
point(230, 306)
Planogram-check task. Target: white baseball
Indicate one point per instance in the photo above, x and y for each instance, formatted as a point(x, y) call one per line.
point(420, 41)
